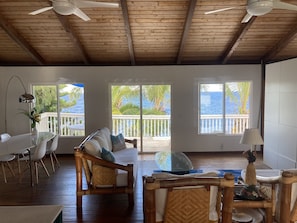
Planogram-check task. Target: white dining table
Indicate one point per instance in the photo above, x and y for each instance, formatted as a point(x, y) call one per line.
point(32, 214)
point(19, 144)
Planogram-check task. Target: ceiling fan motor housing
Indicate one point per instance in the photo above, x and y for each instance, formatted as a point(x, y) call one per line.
point(64, 7)
point(259, 7)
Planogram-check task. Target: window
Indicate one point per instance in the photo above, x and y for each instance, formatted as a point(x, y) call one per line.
point(61, 108)
point(224, 108)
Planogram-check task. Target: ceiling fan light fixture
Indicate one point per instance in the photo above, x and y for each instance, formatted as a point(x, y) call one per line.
point(259, 7)
point(64, 7)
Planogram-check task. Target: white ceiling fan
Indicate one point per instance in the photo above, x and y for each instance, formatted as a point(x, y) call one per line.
point(68, 7)
point(258, 8)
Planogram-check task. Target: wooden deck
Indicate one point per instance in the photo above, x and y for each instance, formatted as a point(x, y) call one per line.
point(59, 188)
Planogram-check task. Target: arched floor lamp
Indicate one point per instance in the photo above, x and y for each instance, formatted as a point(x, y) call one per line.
point(24, 98)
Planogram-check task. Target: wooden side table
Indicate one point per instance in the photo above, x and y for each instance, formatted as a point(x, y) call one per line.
point(268, 204)
point(265, 204)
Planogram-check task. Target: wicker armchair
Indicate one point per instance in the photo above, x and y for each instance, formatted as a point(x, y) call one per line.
point(288, 194)
point(100, 175)
point(188, 199)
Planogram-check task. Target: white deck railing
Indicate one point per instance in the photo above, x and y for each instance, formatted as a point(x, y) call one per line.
point(129, 125)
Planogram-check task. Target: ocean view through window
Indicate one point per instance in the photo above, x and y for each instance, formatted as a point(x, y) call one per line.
point(143, 112)
point(61, 108)
point(224, 108)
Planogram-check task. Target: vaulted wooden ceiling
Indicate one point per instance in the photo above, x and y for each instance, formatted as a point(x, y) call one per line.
point(143, 32)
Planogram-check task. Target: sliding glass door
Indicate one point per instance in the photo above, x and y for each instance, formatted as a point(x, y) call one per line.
point(143, 112)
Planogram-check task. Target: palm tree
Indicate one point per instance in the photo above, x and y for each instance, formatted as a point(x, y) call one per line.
point(119, 94)
point(157, 95)
point(243, 89)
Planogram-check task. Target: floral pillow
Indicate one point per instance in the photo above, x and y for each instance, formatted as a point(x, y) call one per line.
point(118, 142)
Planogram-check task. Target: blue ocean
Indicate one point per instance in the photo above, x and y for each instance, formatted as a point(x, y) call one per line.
point(212, 104)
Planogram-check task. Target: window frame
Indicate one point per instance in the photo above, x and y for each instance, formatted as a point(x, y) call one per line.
point(58, 113)
point(223, 133)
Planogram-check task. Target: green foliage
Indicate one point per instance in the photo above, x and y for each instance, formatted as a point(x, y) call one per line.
point(46, 97)
point(119, 94)
point(154, 93)
point(243, 89)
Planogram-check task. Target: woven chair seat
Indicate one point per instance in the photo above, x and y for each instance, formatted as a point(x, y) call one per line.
point(182, 206)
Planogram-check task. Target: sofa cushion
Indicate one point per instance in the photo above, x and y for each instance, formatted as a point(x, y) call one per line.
point(118, 142)
point(103, 137)
point(92, 147)
point(107, 155)
point(124, 157)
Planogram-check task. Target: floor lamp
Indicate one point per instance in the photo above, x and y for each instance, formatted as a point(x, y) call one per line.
point(24, 98)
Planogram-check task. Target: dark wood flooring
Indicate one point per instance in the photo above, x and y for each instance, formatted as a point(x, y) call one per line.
point(59, 188)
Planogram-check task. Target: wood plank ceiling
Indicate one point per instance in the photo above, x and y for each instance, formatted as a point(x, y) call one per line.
point(143, 32)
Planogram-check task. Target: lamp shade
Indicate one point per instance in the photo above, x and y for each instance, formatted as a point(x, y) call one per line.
point(26, 98)
point(251, 137)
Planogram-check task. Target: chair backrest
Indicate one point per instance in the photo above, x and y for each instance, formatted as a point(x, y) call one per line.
point(288, 197)
point(39, 151)
point(188, 199)
point(54, 144)
point(5, 137)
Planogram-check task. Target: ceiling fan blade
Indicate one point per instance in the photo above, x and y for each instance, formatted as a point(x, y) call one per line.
point(246, 18)
point(282, 5)
point(91, 4)
point(219, 10)
point(81, 14)
point(40, 10)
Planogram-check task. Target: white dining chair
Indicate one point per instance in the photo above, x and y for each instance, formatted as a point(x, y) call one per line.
point(51, 151)
point(36, 158)
point(5, 159)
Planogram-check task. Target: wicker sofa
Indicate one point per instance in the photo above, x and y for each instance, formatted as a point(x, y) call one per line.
point(107, 168)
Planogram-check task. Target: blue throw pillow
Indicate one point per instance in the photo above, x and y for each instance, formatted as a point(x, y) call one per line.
point(107, 155)
point(118, 142)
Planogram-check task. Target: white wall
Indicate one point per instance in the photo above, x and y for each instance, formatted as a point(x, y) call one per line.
point(280, 132)
point(184, 81)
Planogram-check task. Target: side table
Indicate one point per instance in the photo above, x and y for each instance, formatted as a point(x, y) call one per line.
point(265, 204)
point(270, 179)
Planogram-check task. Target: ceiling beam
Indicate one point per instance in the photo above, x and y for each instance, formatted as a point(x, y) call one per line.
point(236, 40)
point(282, 43)
point(128, 31)
point(187, 25)
point(15, 36)
point(77, 43)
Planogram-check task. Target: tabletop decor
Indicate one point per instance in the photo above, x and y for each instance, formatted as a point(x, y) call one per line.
point(34, 116)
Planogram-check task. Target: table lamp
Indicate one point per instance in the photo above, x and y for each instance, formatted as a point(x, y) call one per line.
point(251, 137)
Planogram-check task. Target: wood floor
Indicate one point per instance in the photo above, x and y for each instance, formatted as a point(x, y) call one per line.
point(59, 188)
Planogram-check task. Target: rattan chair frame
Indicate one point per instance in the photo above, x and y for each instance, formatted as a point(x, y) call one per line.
point(225, 185)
